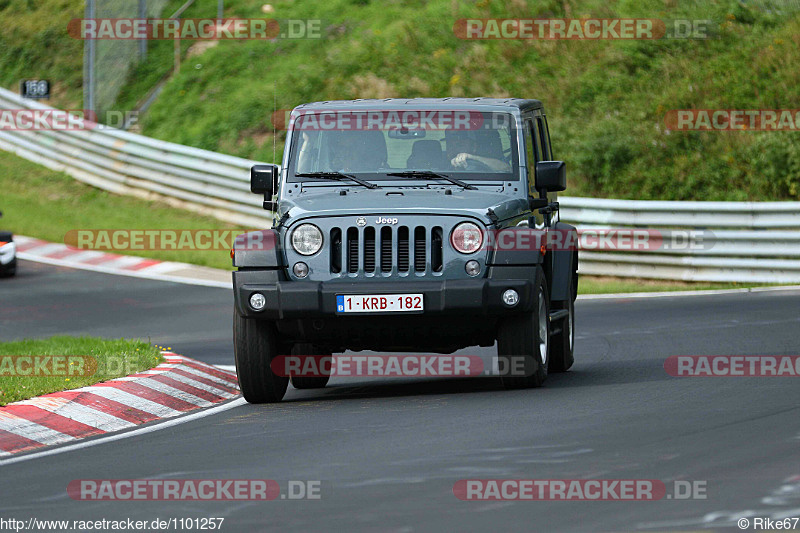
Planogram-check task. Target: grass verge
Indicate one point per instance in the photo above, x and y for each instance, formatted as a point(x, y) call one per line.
point(94, 360)
point(612, 285)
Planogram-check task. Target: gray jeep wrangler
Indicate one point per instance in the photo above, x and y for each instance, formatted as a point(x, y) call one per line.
point(398, 227)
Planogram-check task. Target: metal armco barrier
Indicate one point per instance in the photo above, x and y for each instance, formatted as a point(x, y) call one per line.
point(125, 163)
point(757, 242)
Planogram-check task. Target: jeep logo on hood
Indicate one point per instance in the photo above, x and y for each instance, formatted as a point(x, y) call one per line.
point(385, 220)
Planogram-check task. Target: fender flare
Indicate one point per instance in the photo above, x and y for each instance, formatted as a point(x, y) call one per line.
point(565, 263)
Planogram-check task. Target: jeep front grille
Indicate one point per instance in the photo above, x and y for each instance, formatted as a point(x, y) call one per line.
point(436, 249)
point(403, 253)
point(419, 249)
point(352, 250)
point(386, 249)
point(369, 250)
point(393, 252)
point(336, 250)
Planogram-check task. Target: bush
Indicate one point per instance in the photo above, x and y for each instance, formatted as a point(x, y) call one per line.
point(775, 157)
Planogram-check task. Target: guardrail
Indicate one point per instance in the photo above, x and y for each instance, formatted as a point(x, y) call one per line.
point(757, 242)
point(125, 163)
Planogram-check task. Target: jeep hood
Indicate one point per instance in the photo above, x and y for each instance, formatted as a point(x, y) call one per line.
point(387, 201)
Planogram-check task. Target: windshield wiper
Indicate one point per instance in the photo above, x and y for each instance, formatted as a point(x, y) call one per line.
point(338, 176)
point(431, 174)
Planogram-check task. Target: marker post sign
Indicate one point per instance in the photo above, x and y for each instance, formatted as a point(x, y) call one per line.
point(35, 89)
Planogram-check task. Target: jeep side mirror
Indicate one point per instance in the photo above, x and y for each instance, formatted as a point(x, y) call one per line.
point(264, 179)
point(551, 176)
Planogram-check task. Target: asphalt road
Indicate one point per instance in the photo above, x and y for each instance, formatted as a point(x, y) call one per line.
point(388, 453)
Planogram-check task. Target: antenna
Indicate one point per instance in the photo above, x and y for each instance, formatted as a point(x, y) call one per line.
point(274, 111)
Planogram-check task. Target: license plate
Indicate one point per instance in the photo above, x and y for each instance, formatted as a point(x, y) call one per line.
point(379, 303)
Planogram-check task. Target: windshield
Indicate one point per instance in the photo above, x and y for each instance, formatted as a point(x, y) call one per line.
point(466, 145)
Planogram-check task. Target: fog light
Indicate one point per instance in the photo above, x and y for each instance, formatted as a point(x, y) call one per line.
point(473, 268)
point(511, 297)
point(257, 301)
point(300, 269)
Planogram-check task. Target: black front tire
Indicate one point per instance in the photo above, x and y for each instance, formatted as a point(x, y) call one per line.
point(526, 337)
point(255, 345)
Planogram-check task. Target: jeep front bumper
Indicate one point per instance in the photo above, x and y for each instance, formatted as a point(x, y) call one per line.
point(303, 300)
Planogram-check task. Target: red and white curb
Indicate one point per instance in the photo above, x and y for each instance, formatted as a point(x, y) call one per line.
point(31, 249)
point(169, 390)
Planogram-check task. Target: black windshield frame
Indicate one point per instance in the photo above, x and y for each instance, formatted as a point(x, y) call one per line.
point(507, 118)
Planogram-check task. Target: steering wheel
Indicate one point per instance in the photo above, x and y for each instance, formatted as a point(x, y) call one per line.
point(477, 166)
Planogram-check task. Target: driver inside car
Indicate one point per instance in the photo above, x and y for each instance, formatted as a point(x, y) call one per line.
point(357, 151)
point(462, 147)
point(345, 150)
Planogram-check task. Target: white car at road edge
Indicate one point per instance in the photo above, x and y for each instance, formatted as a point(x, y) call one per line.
point(8, 254)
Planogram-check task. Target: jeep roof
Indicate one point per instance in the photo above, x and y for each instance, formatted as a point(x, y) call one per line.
point(493, 104)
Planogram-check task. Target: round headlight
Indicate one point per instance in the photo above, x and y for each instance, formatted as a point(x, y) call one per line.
point(467, 238)
point(306, 239)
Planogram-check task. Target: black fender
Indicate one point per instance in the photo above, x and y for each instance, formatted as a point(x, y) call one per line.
point(258, 256)
point(258, 249)
point(563, 245)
